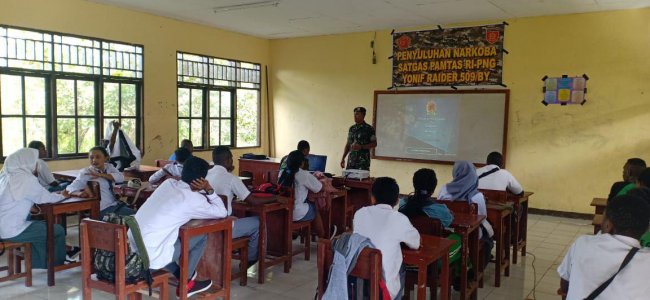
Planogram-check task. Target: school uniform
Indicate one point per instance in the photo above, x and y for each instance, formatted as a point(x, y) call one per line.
point(304, 182)
point(172, 170)
point(500, 180)
point(108, 203)
point(229, 185)
point(593, 259)
point(45, 176)
point(386, 229)
point(482, 208)
point(165, 211)
point(19, 190)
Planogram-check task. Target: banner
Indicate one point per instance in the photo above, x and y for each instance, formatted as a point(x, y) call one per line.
point(449, 57)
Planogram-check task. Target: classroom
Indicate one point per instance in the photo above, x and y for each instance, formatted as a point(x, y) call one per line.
point(204, 119)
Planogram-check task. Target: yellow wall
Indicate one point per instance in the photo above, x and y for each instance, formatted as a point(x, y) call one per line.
point(567, 155)
point(161, 38)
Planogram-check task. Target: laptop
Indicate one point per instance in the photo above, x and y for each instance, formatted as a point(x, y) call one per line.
point(317, 162)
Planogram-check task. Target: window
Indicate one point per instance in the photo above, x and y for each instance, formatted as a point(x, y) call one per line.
point(218, 101)
point(64, 90)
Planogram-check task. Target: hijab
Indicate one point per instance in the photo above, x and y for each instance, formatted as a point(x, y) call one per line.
point(17, 174)
point(465, 183)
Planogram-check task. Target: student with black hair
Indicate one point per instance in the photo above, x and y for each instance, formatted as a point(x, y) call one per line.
point(45, 176)
point(643, 193)
point(303, 146)
point(631, 170)
point(105, 174)
point(386, 229)
point(172, 204)
point(643, 180)
point(494, 177)
point(172, 170)
point(615, 254)
point(187, 144)
point(229, 185)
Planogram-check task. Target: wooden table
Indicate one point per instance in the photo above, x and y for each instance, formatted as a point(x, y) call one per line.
point(499, 217)
point(335, 213)
point(67, 175)
point(143, 172)
point(599, 205)
point(468, 227)
point(215, 262)
point(520, 228)
point(359, 193)
point(275, 223)
point(431, 250)
point(51, 211)
point(261, 171)
point(129, 192)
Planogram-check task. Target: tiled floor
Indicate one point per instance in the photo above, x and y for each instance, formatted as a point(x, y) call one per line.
point(534, 277)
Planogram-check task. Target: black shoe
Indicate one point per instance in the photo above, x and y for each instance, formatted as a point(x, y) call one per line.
point(251, 263)
point(198, 287)
point(73, 255)
point(455, 283)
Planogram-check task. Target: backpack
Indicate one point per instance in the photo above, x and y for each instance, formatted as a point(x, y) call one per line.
point(137, 263)
point(126, 155)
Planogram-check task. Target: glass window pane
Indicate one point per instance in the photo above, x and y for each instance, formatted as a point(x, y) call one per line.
point(65, 97)
point(111, 99)
point(66, 137)
point(85, 98)
point(34, 96)
point(197, 132)
point(12, 135)
point(128, 100)
point(86, 133)
point(183, 130)
point(214, 104)
point(247, 117)
point(36, 130)
point(197, 103)
point(225, 105)
point(214, 132)
point(183, 102)
point(226, 136)
point(12, 95)
point(128, 126)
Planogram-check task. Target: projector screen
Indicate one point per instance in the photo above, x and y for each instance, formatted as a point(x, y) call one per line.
point(440, 126)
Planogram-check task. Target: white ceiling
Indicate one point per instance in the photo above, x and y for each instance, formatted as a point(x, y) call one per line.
point(295, 18)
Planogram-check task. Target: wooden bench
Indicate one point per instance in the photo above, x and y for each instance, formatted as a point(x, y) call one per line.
point(599, 205)
point(13, 267)
point(597, 221)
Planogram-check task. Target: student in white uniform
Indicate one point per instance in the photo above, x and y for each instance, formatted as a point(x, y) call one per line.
point(171, 170)
point(594, 259)
point(464, 188)
point(174, 203)
point(386, 229)
point(302, 183)
point(19, 190)
point(229, 185)
point(45, 177)
point(494, 177)
point(106, 174)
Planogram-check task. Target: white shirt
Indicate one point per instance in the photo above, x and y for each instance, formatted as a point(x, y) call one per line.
point(165, 211)
point(14, 212)
point(172, 169)
point(45, 176)
point(303, 183)
point(386, 229)
point(592, 259)
point(227, 184)
point(105, 186)
point(480, 202)
point(500, 180)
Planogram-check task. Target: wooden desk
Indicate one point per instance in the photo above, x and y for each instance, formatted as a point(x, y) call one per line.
point(275, 222)
point(215, 262)
point(335, 213)
point(129, 192)
point(599, 205)
point(67, 175)
point(51, 212)
point(260, 170)
point(432, 249)
point(499, 217)
point(468, 227)
point(520, 228)
point(143, 172)
point(359, 193)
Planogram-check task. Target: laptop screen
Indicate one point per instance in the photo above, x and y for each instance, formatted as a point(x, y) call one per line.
point(317, 162)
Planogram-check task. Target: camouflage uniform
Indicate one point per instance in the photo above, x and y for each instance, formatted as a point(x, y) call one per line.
point(360, 134)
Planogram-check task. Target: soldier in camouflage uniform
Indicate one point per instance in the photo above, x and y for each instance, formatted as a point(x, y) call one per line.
point(361, 138)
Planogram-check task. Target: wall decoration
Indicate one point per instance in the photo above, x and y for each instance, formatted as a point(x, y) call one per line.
point(565, 90)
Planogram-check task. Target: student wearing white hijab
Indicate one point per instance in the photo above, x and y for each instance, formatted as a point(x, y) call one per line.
point(19, 190)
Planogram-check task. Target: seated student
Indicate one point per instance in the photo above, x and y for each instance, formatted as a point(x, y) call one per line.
point(45, 177)
point(302, 182)
point(386, 229)
point(631, 170)
point(494, 177)
point(643, 180)
point(19, 190)
point(229, 185)
point(593, 259)
point(643, 193)
point(174, 203)
point(173, 170)
point(464, 188)
point(187, 144)
point(106, 174)
point(303, 146)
